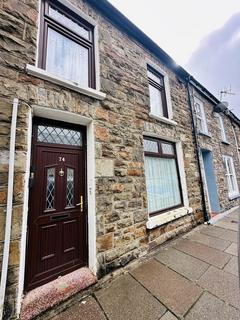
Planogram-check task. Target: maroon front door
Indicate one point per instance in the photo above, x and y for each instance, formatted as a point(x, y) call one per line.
point(57, 210)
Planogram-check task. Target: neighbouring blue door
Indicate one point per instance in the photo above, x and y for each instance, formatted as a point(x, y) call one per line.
point(211, 181)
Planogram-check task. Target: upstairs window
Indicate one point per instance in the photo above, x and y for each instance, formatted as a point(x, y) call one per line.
point(157, 93)
point(200, 116)
point(162, 176)
point(66, 45)
point(221, 126)
point(231, 176)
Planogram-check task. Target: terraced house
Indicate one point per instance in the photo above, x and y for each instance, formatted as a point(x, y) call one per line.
point(107, 148)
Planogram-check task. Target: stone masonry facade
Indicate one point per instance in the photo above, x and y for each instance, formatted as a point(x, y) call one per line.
point(120, 122)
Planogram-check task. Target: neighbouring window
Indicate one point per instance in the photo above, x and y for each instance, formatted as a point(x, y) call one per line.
point(162, 176)
point(200, 116)
point(157, 93)
point(231, 176)
point(66, 44)
point(223, 132)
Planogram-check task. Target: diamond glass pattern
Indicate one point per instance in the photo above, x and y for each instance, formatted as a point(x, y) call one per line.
point(50, 134)
point(167, 149)
point(150, 146)
point(70, 187)
point(50, 193)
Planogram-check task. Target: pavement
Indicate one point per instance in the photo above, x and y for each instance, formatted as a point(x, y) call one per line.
point(194, 277)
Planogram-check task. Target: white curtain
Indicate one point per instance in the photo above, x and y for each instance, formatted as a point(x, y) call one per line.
point(155, 101)
point(162, 183)
point(66, 58)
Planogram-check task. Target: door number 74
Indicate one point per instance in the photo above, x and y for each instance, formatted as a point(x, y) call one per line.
point(61, 159)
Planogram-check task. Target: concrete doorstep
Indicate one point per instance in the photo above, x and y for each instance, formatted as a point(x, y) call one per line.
point(194, 277)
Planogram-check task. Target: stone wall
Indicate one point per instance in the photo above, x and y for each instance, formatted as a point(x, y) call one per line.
point(119, 123)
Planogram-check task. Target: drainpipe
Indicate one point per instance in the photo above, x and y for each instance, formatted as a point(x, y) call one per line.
point(195, 137)
point(9, 207)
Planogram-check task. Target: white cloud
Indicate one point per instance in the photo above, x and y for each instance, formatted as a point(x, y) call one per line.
point(178, 25)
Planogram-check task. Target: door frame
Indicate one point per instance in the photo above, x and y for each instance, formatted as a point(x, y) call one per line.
point(71, 118)
point(35, 147)
point(202, 150)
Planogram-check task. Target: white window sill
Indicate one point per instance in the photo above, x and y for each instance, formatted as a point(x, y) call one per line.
point(166, 217)
point(43, 74)
point(225, 142)
point(233, 196)
point(206, 134)
point(163, 119)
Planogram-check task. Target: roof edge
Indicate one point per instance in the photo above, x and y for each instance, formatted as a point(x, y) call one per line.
point(122, 22)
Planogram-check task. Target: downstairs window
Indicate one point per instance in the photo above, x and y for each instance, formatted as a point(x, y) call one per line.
point(162, 176)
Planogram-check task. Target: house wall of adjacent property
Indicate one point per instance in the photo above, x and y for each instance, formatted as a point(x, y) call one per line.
point(213, 142)
point(119, 122)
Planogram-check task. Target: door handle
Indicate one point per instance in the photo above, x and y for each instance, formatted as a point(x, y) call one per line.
point(80, 203)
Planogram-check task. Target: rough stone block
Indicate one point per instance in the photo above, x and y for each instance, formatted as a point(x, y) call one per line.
point(105, 242)
point(104, 168)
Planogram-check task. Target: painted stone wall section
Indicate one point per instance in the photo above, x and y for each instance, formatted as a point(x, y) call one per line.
point(214, 143)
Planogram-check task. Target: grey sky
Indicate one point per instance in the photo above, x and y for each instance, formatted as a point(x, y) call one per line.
point(202, 36)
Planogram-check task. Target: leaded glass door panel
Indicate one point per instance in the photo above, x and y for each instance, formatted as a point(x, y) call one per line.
point(57, 210)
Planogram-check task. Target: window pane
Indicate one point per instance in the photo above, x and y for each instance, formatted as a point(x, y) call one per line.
point(66, 58)
point(68, 23)
point(198, 109)
point(154, 77)
point(167, 148)
point(50, 193)
point(200, 124)
point(156, 101)
point(57, 135)
point(150, 146)
point(70, 187)
point(162, 183)
point(223, 133)
point(229, 166)
point(231, 183)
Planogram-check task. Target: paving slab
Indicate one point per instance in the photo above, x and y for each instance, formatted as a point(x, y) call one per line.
point(221, 233)
point(88, 309)
point(176, 292)
point(209, 241)
point(126, 299)
point(210, 255)
point(211, 308)
point(222, 284)
point(168, 316)
point(227, 224)
point(235, 214)
point(232, 249)
point(188, 266)
point(232, 266)
point(231, 218)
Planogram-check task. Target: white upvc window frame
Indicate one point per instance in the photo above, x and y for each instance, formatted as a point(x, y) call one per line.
point(233, 190)
point(171, 215)
point(169, 118)
point(222, 129)
point(200, 116)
